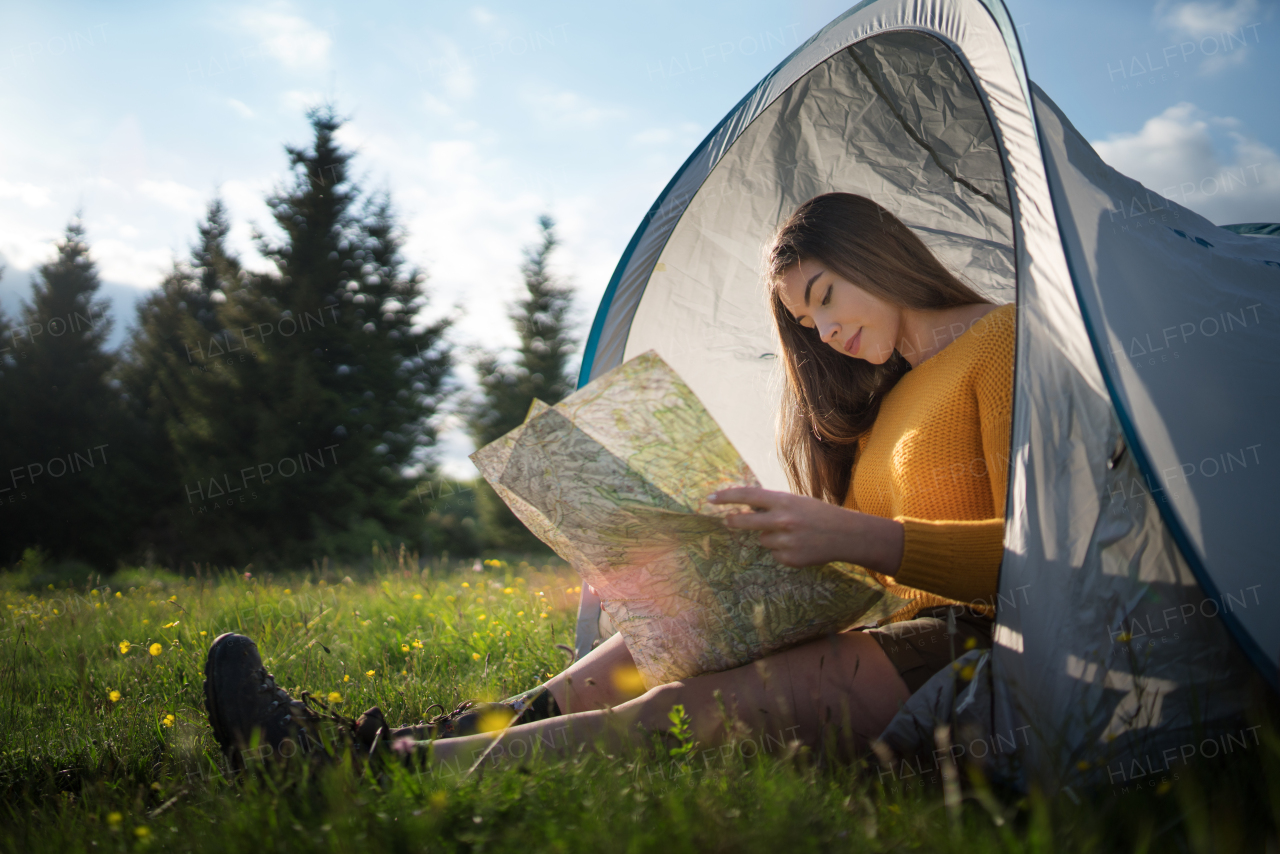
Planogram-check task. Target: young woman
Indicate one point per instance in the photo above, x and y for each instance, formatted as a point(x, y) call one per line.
point(895, 423)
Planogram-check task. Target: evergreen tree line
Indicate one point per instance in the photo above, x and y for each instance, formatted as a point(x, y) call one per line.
point(267, 418)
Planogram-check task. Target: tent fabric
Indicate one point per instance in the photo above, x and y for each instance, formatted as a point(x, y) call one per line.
point(1176, 303)
point(1118, 597)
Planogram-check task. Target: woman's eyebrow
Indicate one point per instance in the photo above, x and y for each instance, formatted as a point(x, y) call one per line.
point(809, 287)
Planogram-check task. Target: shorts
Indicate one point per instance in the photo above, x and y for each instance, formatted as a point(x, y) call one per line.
point(920, 647)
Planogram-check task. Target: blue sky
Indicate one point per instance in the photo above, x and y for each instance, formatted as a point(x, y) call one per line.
point(477, 118)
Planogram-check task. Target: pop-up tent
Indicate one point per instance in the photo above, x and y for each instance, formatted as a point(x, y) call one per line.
point(1139, 534)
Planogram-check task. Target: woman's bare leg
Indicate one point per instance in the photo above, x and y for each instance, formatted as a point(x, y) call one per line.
point(603, 678)
point(842, 687)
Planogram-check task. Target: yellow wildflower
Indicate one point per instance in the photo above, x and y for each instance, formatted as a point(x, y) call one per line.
point(288, 592)
point(1083, 765)
point(119, 595)
point(142, 832)
point(481, 617)
point(475, 656)
point(155, 649)
point(519, 613)
point(167, 720)
point(173, 598)
point(95, 592)
point(508, 590)
point(971, 643)
point(203, 634)
point(417, 644)
point(125, 646)
point(369, 673)
point(628, 679)
point(114, 819)
point(346, 678)
point(450, 598)
point(113, 696)
point(543, 615)
point(568, 590)
point(493, 721)
point(465, 584)
point(404, 647)
point(335, 698)
point(145, 622)
point(967, 672)
point(508, 634)
point(170, 625)
point(417, 596)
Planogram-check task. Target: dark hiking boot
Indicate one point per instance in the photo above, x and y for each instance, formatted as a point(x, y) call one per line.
point(242, 699)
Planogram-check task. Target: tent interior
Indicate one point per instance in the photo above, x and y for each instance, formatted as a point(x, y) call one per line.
point(894, 118)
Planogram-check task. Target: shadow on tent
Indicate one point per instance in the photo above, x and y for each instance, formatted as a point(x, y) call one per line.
point(1134, 584)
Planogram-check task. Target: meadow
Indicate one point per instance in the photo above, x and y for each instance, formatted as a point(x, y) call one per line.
point(105, 746)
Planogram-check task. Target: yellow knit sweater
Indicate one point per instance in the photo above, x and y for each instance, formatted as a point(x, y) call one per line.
point(937, 460)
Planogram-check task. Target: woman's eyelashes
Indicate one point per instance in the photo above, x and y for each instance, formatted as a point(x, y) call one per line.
point(826, 299)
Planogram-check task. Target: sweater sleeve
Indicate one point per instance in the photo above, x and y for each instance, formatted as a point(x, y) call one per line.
point(961, 559)
point(958, 560)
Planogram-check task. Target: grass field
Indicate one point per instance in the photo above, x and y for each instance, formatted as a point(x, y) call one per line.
point(106, 745)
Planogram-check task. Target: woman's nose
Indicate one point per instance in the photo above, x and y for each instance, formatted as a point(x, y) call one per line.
point(829, 332)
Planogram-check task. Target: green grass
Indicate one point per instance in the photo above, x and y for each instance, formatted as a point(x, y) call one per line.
point(83, 769)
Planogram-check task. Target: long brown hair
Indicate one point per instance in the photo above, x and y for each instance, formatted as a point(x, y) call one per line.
point(829, 400)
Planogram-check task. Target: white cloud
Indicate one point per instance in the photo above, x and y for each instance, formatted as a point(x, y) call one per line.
point(569, 109)
point(24, 245)
point(295, 42)
point(1199, 20)
point(437, 107)
point(128, 264)
point(442, 67)
point(1175, 154)
point(482, 16)
point(240, 107)
point(1220, 32)
point(29, 194)
point(469, 213)
point(173, 195)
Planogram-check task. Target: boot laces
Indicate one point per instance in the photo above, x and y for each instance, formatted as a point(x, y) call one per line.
point(269, 686)
point(446, 717)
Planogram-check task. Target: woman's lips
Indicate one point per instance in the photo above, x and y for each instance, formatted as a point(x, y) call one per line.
point(851, 346)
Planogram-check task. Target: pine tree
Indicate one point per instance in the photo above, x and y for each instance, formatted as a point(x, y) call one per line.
point(314, 387)
point(66, 454)
point(166, 379)
point(540, 371)
point(541, 368)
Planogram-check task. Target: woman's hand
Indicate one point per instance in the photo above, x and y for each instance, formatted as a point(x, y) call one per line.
point(803, 531)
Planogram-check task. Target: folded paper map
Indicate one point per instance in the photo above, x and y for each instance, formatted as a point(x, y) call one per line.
point(615, 479)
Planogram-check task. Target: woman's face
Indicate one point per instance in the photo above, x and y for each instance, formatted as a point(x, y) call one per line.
point(847, 318)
